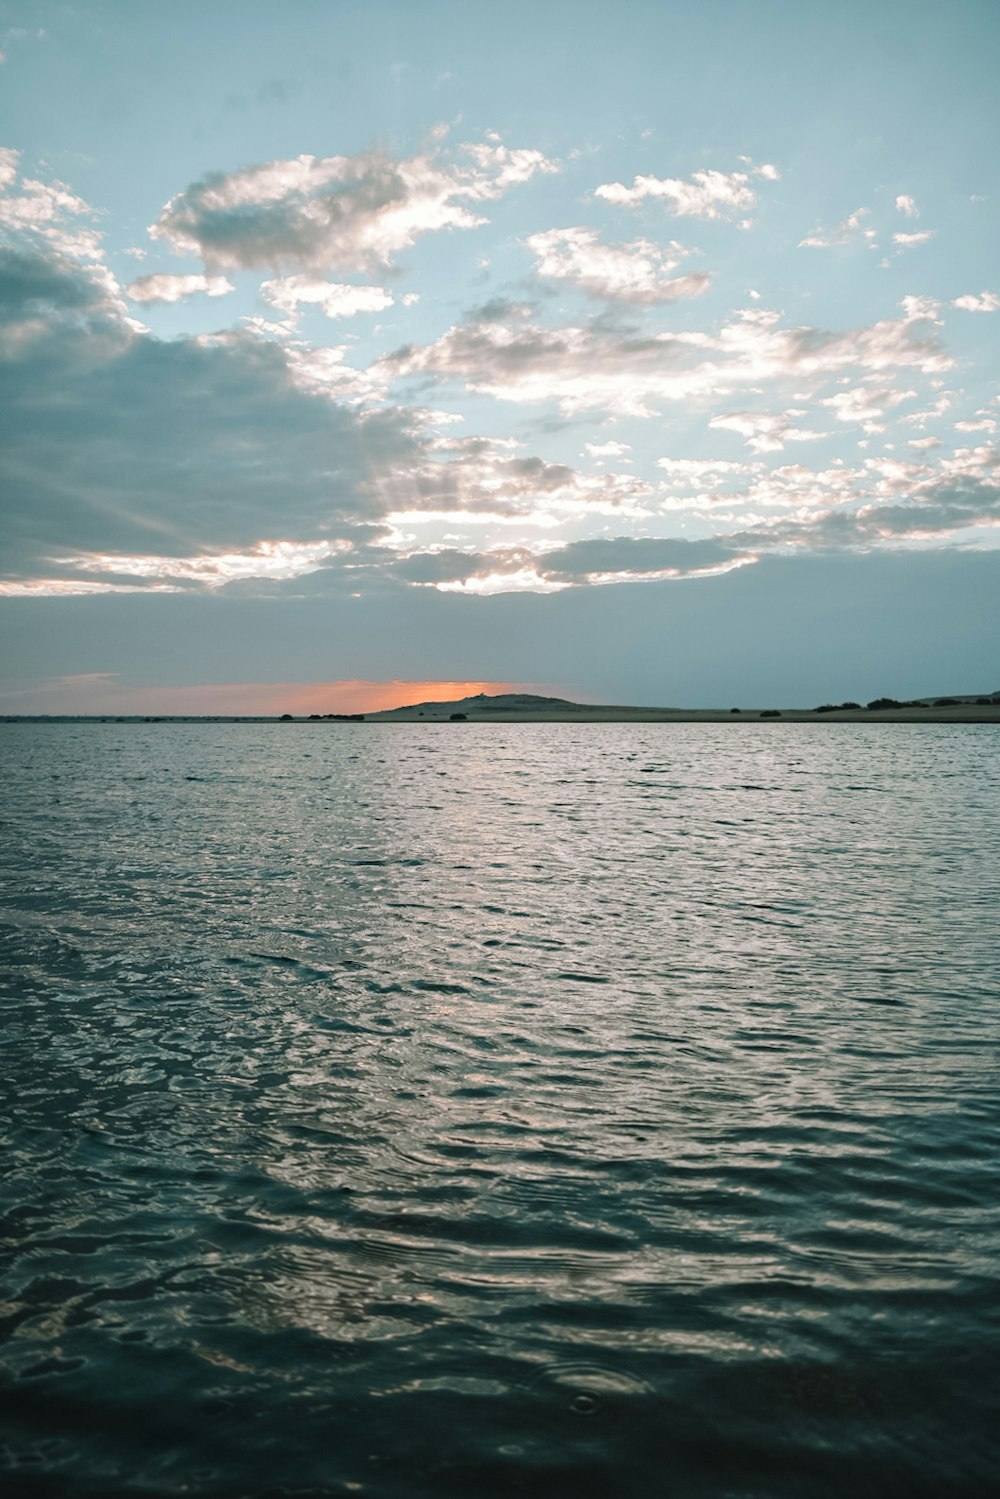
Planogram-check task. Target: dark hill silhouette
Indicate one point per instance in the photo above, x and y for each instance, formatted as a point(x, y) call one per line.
point(501, 702)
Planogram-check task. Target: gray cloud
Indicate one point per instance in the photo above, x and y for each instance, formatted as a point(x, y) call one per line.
point(445, 566)
point(935, 510)
point(941, 508)
point(112, 441)
point(635, 556)
point(40, 285)
point(600, 559)
point(129, 462)
point(481, 476)
point(343, 212)
point(233, 461)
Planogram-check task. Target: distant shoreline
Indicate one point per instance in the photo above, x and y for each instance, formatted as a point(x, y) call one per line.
point(960, 713)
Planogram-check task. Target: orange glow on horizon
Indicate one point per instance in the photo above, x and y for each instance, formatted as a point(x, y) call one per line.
point(375, 697)
point(100, 693)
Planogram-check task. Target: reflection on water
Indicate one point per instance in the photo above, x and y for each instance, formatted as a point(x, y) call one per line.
point(548, 1110)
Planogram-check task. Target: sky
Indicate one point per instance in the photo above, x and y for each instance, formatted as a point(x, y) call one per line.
point(358, 353)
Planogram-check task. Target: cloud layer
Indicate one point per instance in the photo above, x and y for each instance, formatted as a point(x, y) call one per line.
point(255, 457)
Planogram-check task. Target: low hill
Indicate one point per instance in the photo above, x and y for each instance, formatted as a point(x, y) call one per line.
point(501, 702)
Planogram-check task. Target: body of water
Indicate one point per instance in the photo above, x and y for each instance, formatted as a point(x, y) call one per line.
point(430, 1112)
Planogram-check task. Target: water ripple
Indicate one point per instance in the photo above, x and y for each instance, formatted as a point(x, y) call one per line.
point(547, 1110)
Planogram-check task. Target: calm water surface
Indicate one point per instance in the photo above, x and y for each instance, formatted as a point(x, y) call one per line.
point(445, 1111)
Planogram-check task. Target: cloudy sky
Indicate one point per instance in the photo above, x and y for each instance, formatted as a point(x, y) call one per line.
point(643, 352)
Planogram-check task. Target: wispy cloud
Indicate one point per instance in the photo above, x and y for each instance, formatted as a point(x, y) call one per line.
point(851, 228)
point(708, 194)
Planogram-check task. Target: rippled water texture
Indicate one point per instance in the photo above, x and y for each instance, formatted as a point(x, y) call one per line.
point(441, 1111)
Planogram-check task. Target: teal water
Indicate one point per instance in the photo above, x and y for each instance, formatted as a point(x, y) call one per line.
point(427, 1112)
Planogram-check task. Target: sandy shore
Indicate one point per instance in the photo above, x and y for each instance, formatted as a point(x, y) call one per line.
point(962, 713)
point(574, 713)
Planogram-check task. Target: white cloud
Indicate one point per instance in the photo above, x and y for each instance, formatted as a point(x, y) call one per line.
point(168, 288)
point(593, 368)
point(352, 212)
point(502, 168)
point(908, 241)
point(609, 449)
point(324, 371)
point(920, 307)
point(708, 194)
point(796, 488)
point(691, 483)
point(9, 159)
point(866, 404)
point(987, 301)
point(907, 206)
point(517, 580)
point(278, 560)
point(638, 272)
point(851, 228)
point(765, 431)
point(706, 471)
point(42, 208)
point(31, 588)
point(333, 299)
point(980, 424)
point(920, 418)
